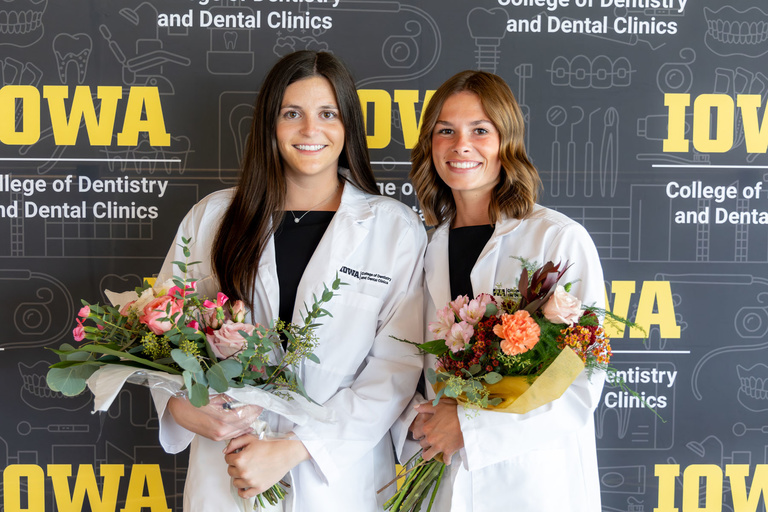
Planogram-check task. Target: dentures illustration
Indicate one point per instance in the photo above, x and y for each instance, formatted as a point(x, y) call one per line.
point(21, 22)
point(732, 32)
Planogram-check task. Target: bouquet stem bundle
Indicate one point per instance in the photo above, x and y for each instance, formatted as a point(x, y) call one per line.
point(420, 476)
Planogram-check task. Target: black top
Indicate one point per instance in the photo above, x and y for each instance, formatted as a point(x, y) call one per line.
point(464, 247)
point(295, 242)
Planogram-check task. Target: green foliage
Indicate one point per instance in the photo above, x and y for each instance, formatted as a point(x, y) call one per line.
point(122, 339)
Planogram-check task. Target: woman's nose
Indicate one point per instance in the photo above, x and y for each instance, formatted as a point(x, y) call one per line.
point(308, 125)
point(461, 143)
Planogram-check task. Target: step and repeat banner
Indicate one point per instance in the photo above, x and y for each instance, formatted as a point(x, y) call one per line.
point(645, 118)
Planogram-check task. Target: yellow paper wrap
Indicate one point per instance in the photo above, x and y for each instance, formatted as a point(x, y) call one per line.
point(520, 396)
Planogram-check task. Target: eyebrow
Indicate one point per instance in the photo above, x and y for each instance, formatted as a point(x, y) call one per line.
point(473, 123)
point(321, 107)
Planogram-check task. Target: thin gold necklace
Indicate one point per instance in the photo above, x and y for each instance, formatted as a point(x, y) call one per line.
point(321, 203)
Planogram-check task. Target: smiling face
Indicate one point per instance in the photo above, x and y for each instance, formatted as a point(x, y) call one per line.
point(310, 133)
point(465, 147)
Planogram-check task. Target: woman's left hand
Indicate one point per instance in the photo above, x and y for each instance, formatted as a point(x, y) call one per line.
point(255, 465)
point(438, 430)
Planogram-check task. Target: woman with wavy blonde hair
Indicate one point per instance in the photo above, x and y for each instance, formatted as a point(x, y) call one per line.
point(475, 182)
point(516, 190)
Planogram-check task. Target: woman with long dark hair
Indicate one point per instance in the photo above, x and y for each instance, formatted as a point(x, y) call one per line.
point(476, 184)
point(305, 210)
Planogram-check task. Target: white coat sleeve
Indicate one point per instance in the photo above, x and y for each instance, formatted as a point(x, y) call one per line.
point(367, 408)
point(491, 437)
point(405, 446)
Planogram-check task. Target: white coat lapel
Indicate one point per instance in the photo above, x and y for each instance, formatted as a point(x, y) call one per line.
point(344, 234)
point(436, 268)
point(484, 273)
point(266, 304)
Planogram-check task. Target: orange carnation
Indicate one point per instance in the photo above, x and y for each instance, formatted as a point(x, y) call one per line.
point(519, 331)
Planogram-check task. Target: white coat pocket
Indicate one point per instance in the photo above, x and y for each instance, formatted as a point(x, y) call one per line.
point(347, 336)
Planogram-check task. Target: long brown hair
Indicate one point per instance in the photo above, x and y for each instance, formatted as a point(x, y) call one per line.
point(257, 206)
point(516, 192)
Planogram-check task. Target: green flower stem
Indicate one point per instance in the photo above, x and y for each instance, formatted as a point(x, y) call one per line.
point(273, 495)
point(437, 486)
point(418, 492)
point(412, 493)
point(127, 355)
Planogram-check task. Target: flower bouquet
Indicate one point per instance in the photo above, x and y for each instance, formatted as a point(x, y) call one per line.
point(170, 338)
point(510, 353)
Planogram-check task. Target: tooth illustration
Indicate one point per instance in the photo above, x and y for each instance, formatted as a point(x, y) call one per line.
point(21, 22)
point(487, 27)
point(561, 71)
point(602, 72)
point(144, 157)
point(72, 49)
point(621, 415)
point(753, 387)
point(36, 394)
point(622, 72)
point(230, 39)
point(732, 32)
point(581, 68)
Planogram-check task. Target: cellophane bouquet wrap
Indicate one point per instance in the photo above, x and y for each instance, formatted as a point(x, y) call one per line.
point(175, 341)
point(510, 353)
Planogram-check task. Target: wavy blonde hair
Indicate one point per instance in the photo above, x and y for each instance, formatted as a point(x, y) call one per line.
point(516, 192)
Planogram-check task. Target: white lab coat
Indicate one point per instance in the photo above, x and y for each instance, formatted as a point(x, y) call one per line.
point(544, 460)
point(364, 375)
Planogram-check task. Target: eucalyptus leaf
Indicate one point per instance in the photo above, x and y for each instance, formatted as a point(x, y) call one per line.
point(186, 361)
point(198, 395)
point(69, 381)
point(492, 377)
point(232, 368)
point(217, 379)
point(188, 379)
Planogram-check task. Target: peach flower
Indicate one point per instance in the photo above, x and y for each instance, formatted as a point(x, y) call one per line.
point(519, 331)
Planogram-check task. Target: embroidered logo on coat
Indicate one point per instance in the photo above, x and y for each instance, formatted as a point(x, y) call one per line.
point(366, 276)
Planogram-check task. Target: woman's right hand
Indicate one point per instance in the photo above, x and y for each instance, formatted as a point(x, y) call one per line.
point(437, 429)
point(216, 421)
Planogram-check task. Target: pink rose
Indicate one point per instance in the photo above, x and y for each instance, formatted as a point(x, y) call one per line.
point(562, 307)
point(159, 308)
point(228, 341)
point(519, 332)
point(238, 311)
point(445, 319)
point(459, 336)
point(126, 310)
point(79, 332)
point(84, 312)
